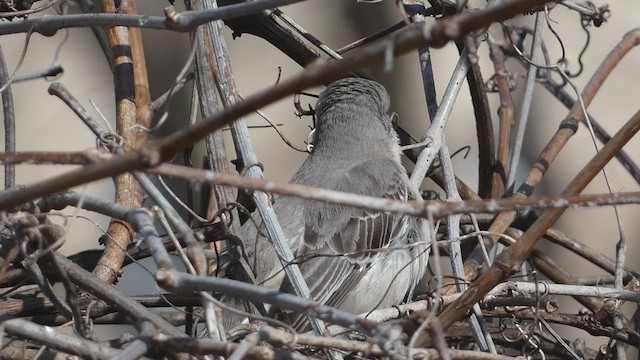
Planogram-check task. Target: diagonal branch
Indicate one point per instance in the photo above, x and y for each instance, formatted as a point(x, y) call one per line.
point(510, 260)
point(565, 131)
point(437, 34)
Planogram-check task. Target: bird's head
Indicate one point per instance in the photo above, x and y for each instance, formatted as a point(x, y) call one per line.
point(355, 92)
point(357, 107)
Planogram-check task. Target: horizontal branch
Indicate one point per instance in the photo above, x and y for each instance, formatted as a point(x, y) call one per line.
point(51, 157)
point(561, 289)
point(207, 346)
point(435, 35)
point(55, 339)
point(184, 21)
point(436, 208)
point(182, 283)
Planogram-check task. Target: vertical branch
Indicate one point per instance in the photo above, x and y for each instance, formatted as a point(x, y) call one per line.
point(216, 153)
point(478, 326)
point(512, 257)
point(246, 153)
point(429, 87)
point(506, 112)
point(205, 80)
point(9, 123)
point(218, 161)
point(208, 74)
point(206, 65)
point(140, 80)
point(483, 338)
point(428, 83)
point(484, 123)
point(434, 135)
point(532, 71)
point(618, 316)
point(484, 130)
point(566, 130)
point(132, 98)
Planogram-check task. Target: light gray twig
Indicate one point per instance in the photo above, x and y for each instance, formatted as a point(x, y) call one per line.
point(57, 340)
point(185, 21)
point(434, 135)
point(523, 114)
point(246, 153)
point(415, 208)
point(138, 347)
point(480, 332)
point(180, 282)
point(9, 122)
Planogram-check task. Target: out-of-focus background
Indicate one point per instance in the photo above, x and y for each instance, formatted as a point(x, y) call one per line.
point(45, 124)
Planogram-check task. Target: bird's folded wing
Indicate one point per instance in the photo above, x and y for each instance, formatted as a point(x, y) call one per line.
point(352, 230)
point(342, 236)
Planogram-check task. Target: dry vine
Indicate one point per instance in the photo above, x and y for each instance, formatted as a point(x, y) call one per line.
point(498, 301)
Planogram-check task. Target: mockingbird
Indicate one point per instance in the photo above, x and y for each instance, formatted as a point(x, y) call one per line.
point(356, 260)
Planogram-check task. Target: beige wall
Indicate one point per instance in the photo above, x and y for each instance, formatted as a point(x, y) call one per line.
point(44, 123)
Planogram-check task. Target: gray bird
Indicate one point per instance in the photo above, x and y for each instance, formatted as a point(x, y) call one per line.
point(355, 150)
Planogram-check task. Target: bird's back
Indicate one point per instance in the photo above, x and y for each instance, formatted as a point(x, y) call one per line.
point(351, 258)
point(335, 241)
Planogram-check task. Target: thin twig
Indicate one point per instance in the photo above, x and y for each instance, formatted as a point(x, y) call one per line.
point(397, 26)
point(434, 136)
point(436, 208)
point(565, 131)
point(455, 253)
point(9, 122)
point(185, 21)
point(523, 114)
point(513, 256)
point(435, 35)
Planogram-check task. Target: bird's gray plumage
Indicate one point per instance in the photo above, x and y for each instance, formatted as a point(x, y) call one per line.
point(356, 151)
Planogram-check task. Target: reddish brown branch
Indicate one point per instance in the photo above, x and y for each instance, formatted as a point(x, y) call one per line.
point(587, 323)
point(566, 130)
point(506, 112)
point(512, 258)
point(435, 35)
point(435, 208)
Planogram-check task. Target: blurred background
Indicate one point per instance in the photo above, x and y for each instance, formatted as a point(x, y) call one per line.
point(45, 124)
